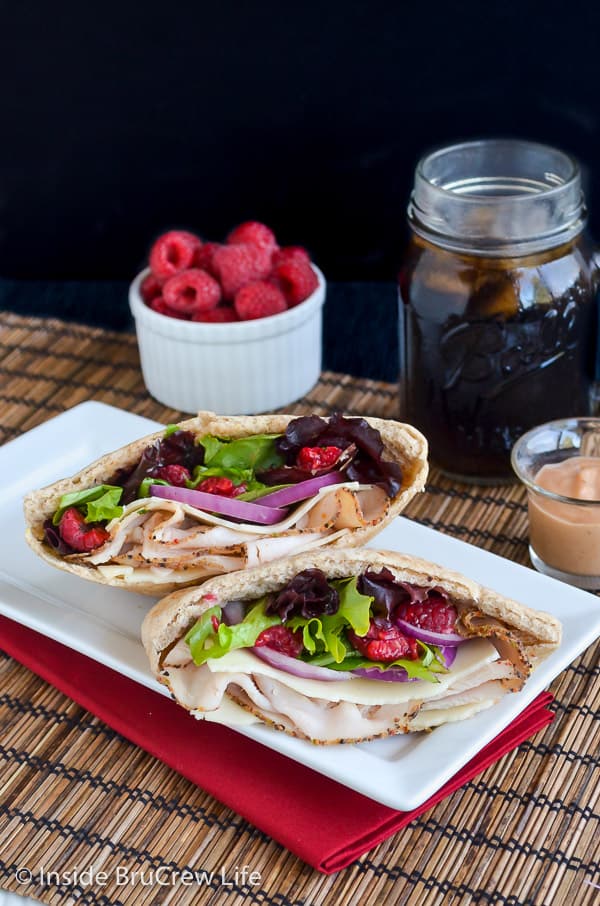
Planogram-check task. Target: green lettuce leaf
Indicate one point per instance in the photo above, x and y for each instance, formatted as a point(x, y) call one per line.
point(205, 643)
point(146, 484)
point(211, 445)
point(428, 655)
point(97, 504)
point(318, 634)
point(171, 429)
point(257, 452)
point(414, 669)
point(437, 663)
point(354, 607)
point(326, 634)
point(237, 476)
point(202, 629)
point(256, 490)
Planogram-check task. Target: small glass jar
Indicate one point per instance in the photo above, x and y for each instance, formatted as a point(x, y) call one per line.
point(559, 464)
point(497, 310)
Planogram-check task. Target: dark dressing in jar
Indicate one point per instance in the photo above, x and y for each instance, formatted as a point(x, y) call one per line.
point(497, 309)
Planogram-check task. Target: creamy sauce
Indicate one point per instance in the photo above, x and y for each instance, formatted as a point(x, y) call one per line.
point(567, 536)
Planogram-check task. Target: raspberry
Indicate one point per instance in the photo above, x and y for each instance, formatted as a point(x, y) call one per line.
point(75, 532)
point(297, 278)
point(220, 315)
point(281, 638)
point(204, 257)
point(236, 265)
point(173, 252)
point(159, 305)
point(313, 458)
point(224, 487)
point(384, 642)
point(434, 614)
point(150, 288)
point(192, 291)
point(254, 233)
point(174, 474)
point(259, 300)
point(290, 253)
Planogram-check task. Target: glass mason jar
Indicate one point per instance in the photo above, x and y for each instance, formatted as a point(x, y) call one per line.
point(497, 310)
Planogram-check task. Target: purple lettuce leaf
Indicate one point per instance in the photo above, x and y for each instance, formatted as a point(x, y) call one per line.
point(52, 537)
point(301, 432)
point(179, 448)
point(307, 595)
point(367, 465)
point(387, 594)
point(391, 595)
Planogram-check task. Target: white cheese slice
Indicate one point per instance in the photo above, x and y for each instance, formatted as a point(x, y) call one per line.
point(135, 575)
point(433, 717)
point(471, 657)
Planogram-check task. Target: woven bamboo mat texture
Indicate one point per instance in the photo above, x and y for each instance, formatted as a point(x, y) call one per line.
point(73, 792)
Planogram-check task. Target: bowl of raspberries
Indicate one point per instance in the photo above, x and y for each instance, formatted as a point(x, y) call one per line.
point(234, 327)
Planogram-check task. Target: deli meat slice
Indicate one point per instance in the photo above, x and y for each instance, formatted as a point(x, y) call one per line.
point(476, 623)
point(321, 720)
point(165, 534)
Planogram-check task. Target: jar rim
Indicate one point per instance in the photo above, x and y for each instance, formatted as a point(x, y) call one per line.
point(500, 197)
point(500, 143)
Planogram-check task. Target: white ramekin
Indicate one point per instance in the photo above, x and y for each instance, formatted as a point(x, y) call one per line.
point(239, 368)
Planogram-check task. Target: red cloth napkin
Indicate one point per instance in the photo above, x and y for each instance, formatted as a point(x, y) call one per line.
point(251, 779)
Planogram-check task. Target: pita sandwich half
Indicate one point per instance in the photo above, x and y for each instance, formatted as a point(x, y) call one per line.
point(344, 646)
point(106, 523)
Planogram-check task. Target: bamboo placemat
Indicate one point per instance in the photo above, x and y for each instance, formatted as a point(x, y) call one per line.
point(75, 793)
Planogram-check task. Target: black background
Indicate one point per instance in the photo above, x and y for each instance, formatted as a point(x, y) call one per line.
point(121, 120)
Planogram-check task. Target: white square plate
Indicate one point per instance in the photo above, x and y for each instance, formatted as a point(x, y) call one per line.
point(104, 623)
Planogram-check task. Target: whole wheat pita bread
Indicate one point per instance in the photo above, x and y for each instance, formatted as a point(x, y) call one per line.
point(402, 444)
point(536, 633)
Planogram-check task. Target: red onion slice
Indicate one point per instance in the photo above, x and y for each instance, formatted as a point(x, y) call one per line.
point(297, 667)
point(215, 503)
point(430, 638)
point(302, 490)
point(448, 654)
